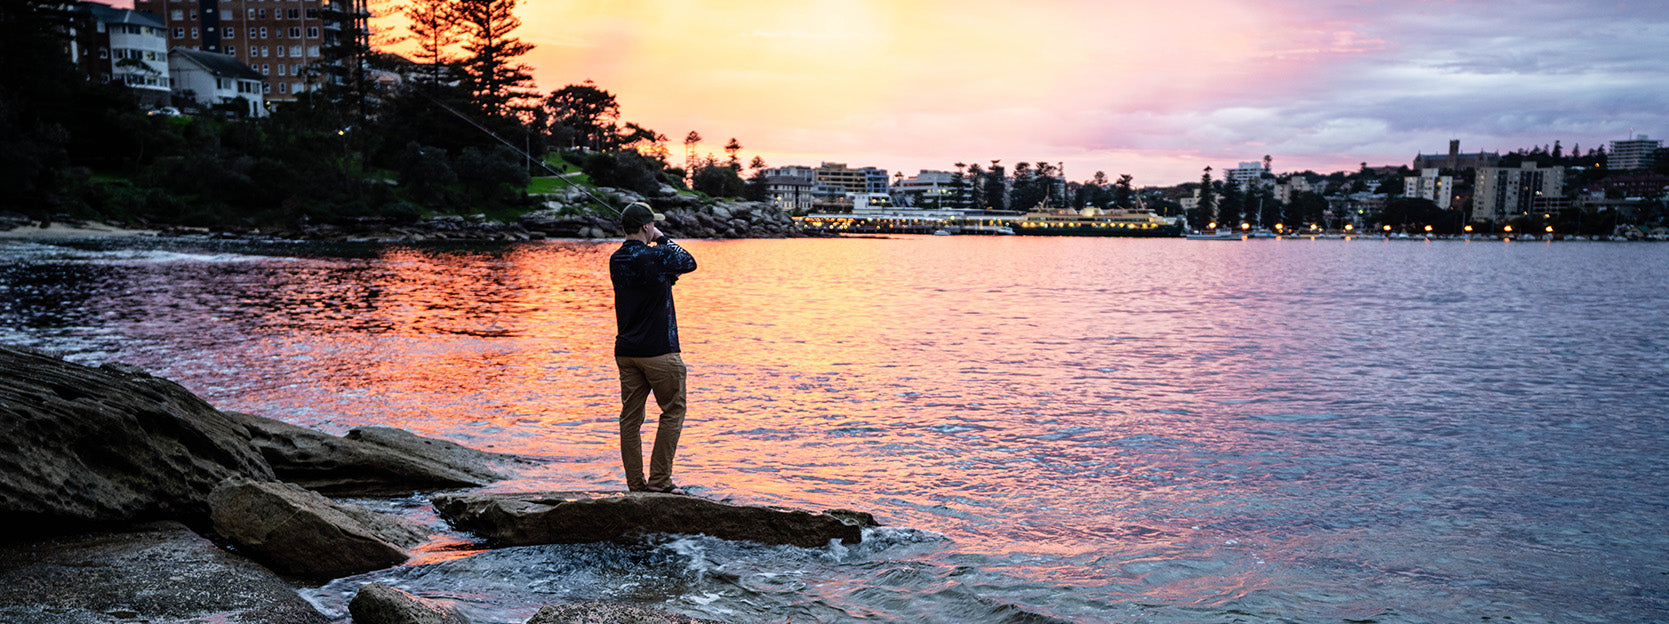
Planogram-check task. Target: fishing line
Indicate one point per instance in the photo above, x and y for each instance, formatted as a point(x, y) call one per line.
point(512, 146)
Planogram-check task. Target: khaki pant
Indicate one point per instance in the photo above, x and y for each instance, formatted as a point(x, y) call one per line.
point(664, 376)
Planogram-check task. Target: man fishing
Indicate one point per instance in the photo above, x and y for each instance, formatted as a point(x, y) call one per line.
point(646, 349)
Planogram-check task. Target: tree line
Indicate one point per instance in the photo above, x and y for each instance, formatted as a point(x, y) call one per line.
point(462, 132)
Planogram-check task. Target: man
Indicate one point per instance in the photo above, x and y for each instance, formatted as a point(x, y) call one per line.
point(646, 349)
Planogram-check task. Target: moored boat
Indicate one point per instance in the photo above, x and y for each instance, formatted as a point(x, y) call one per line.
point(1097, 222)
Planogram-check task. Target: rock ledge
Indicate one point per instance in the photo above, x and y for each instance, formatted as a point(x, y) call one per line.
point(576, 517)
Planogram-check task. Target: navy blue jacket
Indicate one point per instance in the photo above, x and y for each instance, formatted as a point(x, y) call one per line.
point(643, 277)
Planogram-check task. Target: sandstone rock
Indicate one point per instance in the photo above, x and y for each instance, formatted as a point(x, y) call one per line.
point(369, 460)
point(301, 533)
point(110, 444)
point(376, 603)
point(609, 613)
point(575, 517)
point(159, 572)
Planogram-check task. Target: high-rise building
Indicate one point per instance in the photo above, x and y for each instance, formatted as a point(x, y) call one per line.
point(1440, 189)
point(281, 39)
point(1245, 174)
point(1635, 153)
point(1501, 192)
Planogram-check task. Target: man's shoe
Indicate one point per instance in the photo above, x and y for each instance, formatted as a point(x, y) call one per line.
point(671, 489)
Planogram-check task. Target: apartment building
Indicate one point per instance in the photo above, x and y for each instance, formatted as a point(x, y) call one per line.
point(280, 39)
point(1501, 192)
point(1440, 189)
point(1635, 153)
point(121, 45)
point(790, 187)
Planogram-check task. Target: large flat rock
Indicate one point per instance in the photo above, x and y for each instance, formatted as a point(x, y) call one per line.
point(302, 533)
point(99, 446)
point(370, 461)
point(160, 572)
point(577, 517)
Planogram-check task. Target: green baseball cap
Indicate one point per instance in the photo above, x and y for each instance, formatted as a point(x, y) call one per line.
point(637, 215)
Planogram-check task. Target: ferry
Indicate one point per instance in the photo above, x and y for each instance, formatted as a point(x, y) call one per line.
point(1096, 222)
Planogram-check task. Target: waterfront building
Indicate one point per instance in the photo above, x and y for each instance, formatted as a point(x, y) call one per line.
point(123, 46)
point(212, 79)
point(790, 187)
point(1246, 174)
point(928, 189)
point(1285, 191)
point(1430, 185)
point(283, 40)
point(1455, 160)
point(1636, 153)
point(1501, 192)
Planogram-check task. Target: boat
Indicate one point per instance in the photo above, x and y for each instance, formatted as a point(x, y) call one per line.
point(941, 232)
point(1215, 236)
point(1043, 221)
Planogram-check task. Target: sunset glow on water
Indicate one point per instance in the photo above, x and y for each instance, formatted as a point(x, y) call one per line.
point(1084, 429)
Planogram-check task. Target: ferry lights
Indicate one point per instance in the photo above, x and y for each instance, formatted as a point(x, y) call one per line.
point(1244, 225)
point(1428, 229)
point(1349, 227)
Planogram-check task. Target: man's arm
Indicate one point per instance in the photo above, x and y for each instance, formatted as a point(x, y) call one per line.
point(672, 258)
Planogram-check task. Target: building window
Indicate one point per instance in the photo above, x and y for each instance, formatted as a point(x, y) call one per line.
point(230, 33)
point(226, 15)
point(295, 51)
point(194, 15)
point(280, 51)
point(295, 13)
point(266, 70)
point(263, 13)
point(194, 33)
point(252, 14)
point(265, 52)
point(263, 32)
point(252, 32)
point(313, 51)
point(179, 32)
point(266, 88)
point(312, 32)
point(254, 52)
point(283, 87)
point(176, 14)
point(295, 32)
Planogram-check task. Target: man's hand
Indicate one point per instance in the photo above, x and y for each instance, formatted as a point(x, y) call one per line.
point(653, 232)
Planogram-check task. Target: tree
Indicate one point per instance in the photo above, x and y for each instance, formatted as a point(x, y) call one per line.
point(996, 187)
point(494, 79)
point(1208, 202)
point(734, 149)
point(586, 115)
point(1231, 206)
point(433, 25)
point(1124, 196)
point(690, 141)
point(718, 181)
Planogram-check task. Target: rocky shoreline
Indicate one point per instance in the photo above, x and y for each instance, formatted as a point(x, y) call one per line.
point(572, 214)
point(131, 499)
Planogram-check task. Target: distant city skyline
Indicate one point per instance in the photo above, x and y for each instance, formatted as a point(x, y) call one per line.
point(1156, 90)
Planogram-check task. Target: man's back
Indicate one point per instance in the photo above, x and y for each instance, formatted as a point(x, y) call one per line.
point(643, 276)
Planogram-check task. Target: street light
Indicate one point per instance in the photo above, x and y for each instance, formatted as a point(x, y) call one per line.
point(1244, 225)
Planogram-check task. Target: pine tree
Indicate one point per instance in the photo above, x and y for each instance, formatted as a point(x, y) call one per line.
point(495, 80)
point(434, 27)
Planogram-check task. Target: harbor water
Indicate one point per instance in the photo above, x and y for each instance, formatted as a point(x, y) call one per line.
point(1051, 429)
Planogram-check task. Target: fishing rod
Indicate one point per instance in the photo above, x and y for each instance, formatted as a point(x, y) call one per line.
point(559, 175)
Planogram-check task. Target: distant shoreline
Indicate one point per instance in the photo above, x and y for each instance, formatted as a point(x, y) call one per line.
point(56, 231)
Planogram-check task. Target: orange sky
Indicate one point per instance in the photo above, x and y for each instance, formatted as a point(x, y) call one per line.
point(1155, 89)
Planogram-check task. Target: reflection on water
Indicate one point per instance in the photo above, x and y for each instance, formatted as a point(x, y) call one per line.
point(1094, 430)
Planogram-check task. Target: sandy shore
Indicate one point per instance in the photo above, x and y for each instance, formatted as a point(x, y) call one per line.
point(61, 231)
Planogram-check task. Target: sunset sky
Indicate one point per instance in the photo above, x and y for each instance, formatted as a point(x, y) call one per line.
point(1155, 89)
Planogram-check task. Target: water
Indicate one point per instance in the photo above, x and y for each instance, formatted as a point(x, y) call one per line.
point(1051, 429)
